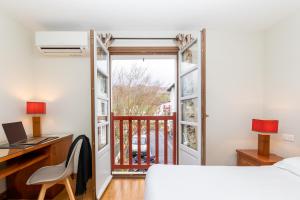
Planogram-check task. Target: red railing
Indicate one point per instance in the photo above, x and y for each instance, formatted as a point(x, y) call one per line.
point(138, 121)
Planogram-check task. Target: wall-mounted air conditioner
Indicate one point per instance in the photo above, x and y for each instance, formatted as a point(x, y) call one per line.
point(62, 43)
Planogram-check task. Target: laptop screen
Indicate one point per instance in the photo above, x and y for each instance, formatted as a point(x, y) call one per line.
point(14, 132)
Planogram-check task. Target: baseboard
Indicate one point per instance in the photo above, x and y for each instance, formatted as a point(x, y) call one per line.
point(3, 195)
point(103, 188)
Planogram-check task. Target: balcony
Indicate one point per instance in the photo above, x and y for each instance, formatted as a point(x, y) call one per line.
point(140, 141)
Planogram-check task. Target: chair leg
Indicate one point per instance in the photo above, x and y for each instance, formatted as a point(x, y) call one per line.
point(42, 192)
point(69, 188)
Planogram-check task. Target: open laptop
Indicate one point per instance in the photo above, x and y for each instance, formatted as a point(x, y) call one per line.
point(16, 135)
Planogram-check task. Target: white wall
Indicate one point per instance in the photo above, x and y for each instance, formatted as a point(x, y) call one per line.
point(282, 83)
point(252, 75)
point(234, 92)
point(64, 83)
point(15, 74)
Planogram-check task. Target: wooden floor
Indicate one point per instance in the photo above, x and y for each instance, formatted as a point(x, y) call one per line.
point(87, 196)
point(125, 189)
point(118, 189)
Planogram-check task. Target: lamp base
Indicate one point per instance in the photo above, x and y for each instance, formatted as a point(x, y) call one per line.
point(36, 126)
point(263, 145)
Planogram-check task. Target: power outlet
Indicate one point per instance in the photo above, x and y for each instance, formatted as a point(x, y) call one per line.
point(288, 137)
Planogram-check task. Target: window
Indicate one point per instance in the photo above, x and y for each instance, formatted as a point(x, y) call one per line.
point(189, 136)
point(102, 136)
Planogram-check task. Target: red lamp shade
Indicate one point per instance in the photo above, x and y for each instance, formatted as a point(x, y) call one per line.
point(36, 107)
point(265, 126)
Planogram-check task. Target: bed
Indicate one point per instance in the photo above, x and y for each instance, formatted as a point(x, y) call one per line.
point(277, 182)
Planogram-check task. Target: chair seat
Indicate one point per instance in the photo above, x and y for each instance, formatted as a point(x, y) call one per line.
point(47, 174)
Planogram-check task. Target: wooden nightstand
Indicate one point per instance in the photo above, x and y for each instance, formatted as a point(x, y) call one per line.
point(251, 158)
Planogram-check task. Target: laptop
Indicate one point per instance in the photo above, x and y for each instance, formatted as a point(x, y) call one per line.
point(16, 135)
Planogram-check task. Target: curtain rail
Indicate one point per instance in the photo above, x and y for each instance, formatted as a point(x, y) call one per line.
point(142, 38)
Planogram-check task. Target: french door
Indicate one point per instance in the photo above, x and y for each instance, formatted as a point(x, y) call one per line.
point(190, 116)
point(100, 81)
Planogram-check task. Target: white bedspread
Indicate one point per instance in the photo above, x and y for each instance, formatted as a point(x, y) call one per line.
point(166, 182)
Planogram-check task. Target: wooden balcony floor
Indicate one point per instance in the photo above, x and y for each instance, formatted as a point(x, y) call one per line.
point(119, 188)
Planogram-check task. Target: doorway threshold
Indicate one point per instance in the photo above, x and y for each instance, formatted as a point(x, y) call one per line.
point(129, 174)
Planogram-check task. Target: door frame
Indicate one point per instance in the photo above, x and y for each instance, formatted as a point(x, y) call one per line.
point(145, 50)
point(203, 97)
point(126, 50)
point(92, 67)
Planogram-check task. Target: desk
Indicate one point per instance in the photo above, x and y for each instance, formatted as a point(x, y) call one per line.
point(17, 165)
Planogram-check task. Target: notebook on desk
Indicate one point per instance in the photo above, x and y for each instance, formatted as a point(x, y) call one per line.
point(17, 138)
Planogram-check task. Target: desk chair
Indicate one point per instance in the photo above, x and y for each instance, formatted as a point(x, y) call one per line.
point(56, 174)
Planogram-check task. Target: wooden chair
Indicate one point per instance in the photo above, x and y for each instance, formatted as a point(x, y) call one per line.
point(56, 174)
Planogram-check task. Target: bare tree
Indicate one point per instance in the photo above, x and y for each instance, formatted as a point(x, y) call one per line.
point(135, 92)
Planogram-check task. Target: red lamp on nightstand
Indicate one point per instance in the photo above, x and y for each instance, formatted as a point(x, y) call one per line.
point(264, 128)
point(36, 109)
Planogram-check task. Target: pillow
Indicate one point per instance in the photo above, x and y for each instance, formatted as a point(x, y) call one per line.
point(290, 164)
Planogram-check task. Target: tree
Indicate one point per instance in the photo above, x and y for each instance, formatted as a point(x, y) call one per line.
point(135, 92)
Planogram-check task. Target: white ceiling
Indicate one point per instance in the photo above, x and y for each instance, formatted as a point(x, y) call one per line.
point(249, 15)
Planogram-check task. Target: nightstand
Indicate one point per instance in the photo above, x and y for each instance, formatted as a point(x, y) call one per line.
point(247, 157)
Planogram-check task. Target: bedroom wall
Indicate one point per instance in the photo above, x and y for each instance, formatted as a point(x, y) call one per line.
point(16, 74)
point(234, 92)
point(282, 83)
point(64, 83)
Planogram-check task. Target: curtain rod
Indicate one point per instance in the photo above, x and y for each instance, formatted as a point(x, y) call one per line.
point(141, 38)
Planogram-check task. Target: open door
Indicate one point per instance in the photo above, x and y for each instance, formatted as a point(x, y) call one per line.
point(100, 103)
point(191, 125)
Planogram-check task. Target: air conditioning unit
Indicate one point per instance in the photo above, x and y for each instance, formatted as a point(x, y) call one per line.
point(62, 43)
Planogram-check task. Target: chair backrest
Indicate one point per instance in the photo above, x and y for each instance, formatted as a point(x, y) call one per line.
point(71, 163)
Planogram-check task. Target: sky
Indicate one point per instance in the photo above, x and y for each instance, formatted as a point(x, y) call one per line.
point(160, 69)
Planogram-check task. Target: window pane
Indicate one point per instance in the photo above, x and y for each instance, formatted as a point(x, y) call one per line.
point(101, 60)
point(102, 137)
point(102, 82)
point(189, 136)
point(189, 58)
point(189, 84)
point(189, 110)
point(102, 110)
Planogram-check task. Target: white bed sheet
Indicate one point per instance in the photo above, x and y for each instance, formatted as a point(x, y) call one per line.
point(166, 182)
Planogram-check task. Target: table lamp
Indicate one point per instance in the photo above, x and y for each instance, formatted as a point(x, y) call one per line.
point(264, 129)
point(36, 109)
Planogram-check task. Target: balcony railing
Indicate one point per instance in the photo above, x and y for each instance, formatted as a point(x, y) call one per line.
point(142, 133)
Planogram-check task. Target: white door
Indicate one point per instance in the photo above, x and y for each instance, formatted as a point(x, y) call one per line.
point(189, 99)
point(101, 106)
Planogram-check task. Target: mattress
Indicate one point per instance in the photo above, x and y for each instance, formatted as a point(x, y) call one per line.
point(220, 183)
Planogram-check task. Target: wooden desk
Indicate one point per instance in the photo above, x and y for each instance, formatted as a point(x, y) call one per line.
point(249, 157)
point(17, 165)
